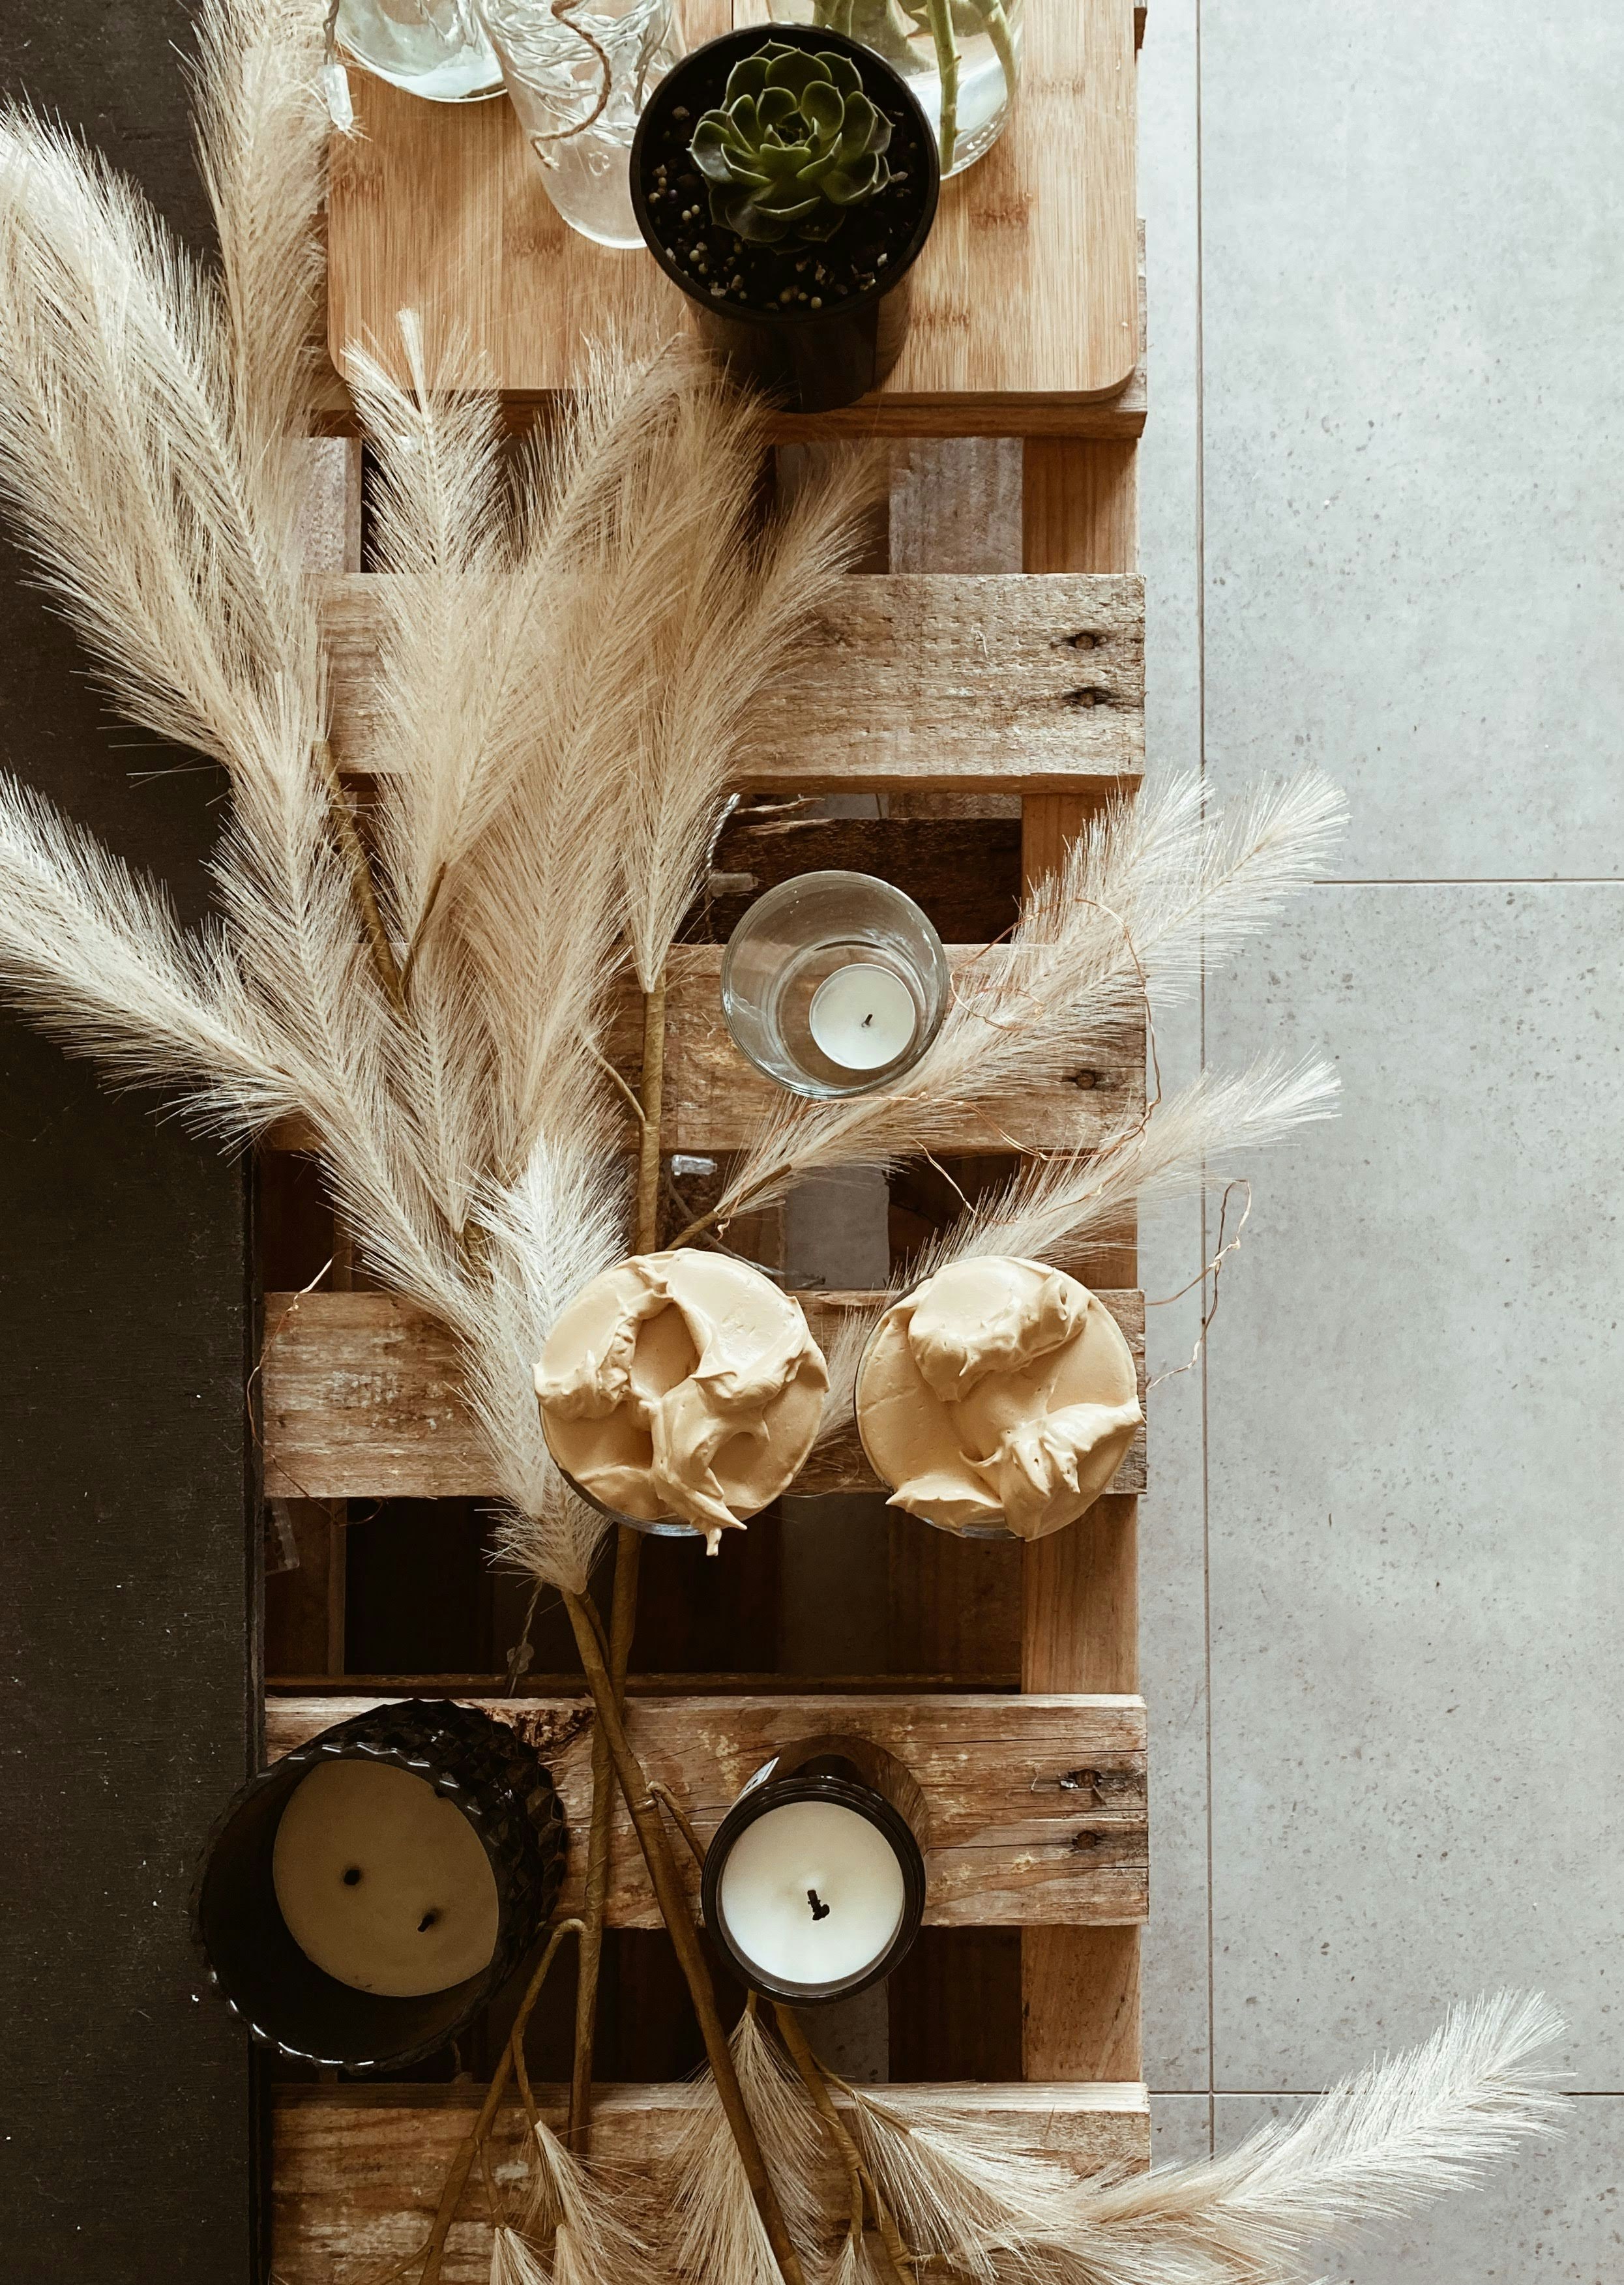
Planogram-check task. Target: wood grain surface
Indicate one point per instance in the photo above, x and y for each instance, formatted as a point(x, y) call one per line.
point(362, 1400)
point(1080, 1987)
point(907, 681)
point(1025, 298)
point(358, 2170)
point(715, 1101)
point(1035, 1806)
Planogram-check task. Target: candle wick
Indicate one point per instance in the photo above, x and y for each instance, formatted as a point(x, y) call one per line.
point(819, 1909)
point(868, 1019)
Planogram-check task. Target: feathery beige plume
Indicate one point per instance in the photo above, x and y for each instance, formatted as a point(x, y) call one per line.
point(1400, 2134)
point(1139, 897)
point(570, 2205)
point(721, 2240)
point(513, 2261)
point(1056, 1206)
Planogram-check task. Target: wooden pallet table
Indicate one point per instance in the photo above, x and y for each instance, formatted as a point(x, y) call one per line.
point(1025, 299)
point(999, 654)
point(357, 2166)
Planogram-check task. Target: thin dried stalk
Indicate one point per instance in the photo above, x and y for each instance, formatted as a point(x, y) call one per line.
point(469, 2148)
point(684, 1940)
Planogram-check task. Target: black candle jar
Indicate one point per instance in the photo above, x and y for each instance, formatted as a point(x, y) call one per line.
point(814, 360)
point(295, 2007)
point(814, 1882)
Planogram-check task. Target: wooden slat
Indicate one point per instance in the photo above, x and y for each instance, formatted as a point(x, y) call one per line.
point(1080, 1987)
point(909, 681)
point(358, 2170)
point(715, 1102)
point(1024, 299)
point(362, 1400)
point(1007, 1842)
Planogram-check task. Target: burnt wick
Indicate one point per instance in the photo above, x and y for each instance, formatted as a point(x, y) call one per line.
point(819, 1909)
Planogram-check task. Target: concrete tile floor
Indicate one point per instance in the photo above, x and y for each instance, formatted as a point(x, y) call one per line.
point(1381, 531)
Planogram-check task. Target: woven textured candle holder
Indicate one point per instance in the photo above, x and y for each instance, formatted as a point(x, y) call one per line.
point(288, 2003)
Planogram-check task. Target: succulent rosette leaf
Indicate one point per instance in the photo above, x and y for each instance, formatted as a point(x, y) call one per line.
point(794, 142)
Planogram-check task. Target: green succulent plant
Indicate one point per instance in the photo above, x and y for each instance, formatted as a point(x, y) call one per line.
point(794, 142)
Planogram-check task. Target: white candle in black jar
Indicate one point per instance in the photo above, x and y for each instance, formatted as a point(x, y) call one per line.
point(814, 1884)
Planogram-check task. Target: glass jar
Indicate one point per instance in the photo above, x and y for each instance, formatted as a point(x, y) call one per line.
point(579, 81)
point(961, 58)
point(432, 48)
point(834, 983)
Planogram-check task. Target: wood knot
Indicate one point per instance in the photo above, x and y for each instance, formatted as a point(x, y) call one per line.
point(551, 1734)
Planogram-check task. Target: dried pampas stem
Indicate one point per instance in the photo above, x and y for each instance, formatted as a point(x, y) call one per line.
point(361, 873)
point(685, 1938)
point(471, 2147)
point(722, 2241)
point(1148, 893)
point(899, 2262)
point(590, 2245)
point(680, 1819)
point(622, 1616)
point(623, 1622)
point(1401, 2133)
point(653, 1105)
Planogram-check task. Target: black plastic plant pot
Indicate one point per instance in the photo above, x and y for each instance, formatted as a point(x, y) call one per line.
point(810, 360)
point(289, 2004)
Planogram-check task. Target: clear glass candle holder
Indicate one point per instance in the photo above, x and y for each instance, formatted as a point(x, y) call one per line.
point(579, 82)
point(834, 984)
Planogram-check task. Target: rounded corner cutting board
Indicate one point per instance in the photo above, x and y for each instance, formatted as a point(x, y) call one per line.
point(1026, 295)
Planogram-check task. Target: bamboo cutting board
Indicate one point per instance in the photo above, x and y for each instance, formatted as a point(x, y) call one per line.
point(1025, 299)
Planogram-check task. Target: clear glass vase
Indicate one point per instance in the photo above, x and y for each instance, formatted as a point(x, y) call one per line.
point(432, 48)
point(579, 82)
point(960, 58)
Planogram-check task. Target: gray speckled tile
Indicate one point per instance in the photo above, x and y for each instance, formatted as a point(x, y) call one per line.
point(1551, 2216)
point(1418, 1599)
point(1173, 1623)
point(1173, 1630)
point(1414, 293)
point(1181, 2128)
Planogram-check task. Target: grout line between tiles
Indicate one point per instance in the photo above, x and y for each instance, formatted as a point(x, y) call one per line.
point(1201, 733)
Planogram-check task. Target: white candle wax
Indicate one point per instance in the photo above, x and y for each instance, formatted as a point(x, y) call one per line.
point(382, 1883)
point(812, 1893)
point(862, 1016)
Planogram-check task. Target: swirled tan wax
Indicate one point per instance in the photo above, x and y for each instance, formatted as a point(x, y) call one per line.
point(1001, 1392)
point(382, 1881)
point(681, 1385)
